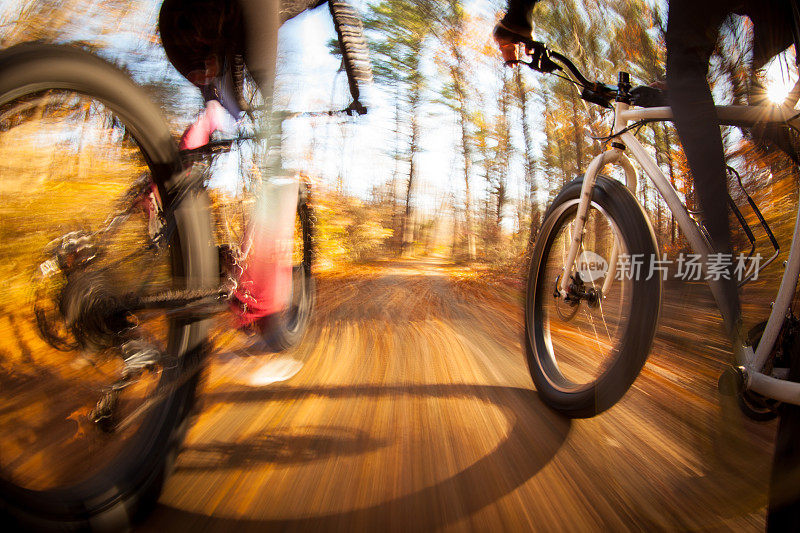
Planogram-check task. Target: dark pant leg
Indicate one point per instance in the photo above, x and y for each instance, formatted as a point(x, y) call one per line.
point(261, 23)
point(262, 19)
point(691, 35)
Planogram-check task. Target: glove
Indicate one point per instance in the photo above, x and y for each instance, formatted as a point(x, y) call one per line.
point(508, 41)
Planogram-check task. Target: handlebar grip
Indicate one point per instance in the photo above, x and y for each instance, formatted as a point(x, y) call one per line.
point(540, 57)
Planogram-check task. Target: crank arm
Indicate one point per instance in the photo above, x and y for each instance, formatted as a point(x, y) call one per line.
point(181, 302)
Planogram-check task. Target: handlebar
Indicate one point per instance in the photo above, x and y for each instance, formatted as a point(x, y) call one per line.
point(547, 61)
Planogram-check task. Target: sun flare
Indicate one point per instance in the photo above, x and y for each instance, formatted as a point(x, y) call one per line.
point(779, 78)
point(778, 90)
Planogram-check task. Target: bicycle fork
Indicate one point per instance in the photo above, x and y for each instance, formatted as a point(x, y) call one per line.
point(265, 283)
point(616, 155)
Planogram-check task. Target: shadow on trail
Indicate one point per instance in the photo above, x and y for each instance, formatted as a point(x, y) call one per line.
point(299, 445)
point(536, 434)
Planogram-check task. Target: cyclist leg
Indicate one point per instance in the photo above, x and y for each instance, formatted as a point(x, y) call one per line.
point(262, 18)
point(773, 22)
point(691, 36)
point(265, 284)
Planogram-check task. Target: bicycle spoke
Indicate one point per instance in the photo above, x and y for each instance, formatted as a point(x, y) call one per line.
point(65, 162)
point(583, 334)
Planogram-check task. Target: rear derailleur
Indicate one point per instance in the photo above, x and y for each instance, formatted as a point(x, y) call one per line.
point(78, 307)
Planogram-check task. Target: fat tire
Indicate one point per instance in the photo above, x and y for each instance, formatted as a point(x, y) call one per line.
point(632, 222)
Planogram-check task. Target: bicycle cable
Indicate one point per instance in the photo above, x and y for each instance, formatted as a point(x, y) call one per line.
point(636, 125)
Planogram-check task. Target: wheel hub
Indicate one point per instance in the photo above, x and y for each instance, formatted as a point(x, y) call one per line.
point(567, 306)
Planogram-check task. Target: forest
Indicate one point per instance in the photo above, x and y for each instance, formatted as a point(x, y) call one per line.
point(409, 404)
point(513, 137)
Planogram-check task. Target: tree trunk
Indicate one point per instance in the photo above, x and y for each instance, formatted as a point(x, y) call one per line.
point(407, 229)
point(577, 136)
point(671, 165)
point(530, 176)
point(396, 173)
point(457, 74)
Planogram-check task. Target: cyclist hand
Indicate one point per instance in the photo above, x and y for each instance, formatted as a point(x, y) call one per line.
point(508, 41)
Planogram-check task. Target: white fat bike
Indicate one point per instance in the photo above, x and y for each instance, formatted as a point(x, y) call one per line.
point(589, 332)
point(589, 325)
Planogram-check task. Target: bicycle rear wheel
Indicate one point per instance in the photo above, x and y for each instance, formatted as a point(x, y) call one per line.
point(585, 351)
point(75, 135)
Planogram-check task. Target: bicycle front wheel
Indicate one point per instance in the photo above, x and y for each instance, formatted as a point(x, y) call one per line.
point(285, 329)
point(586, 347)
point(79, 142)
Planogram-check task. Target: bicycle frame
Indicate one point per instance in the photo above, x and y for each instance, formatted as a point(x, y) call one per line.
point(751, 362)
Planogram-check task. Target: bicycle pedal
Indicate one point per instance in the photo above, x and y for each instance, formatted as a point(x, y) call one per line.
point(731, 382)
point(757, 407)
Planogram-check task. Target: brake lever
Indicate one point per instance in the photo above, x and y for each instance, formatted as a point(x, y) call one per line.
point(540, 58)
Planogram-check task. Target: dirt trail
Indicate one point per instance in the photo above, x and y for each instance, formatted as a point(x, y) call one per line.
point(414, 411)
